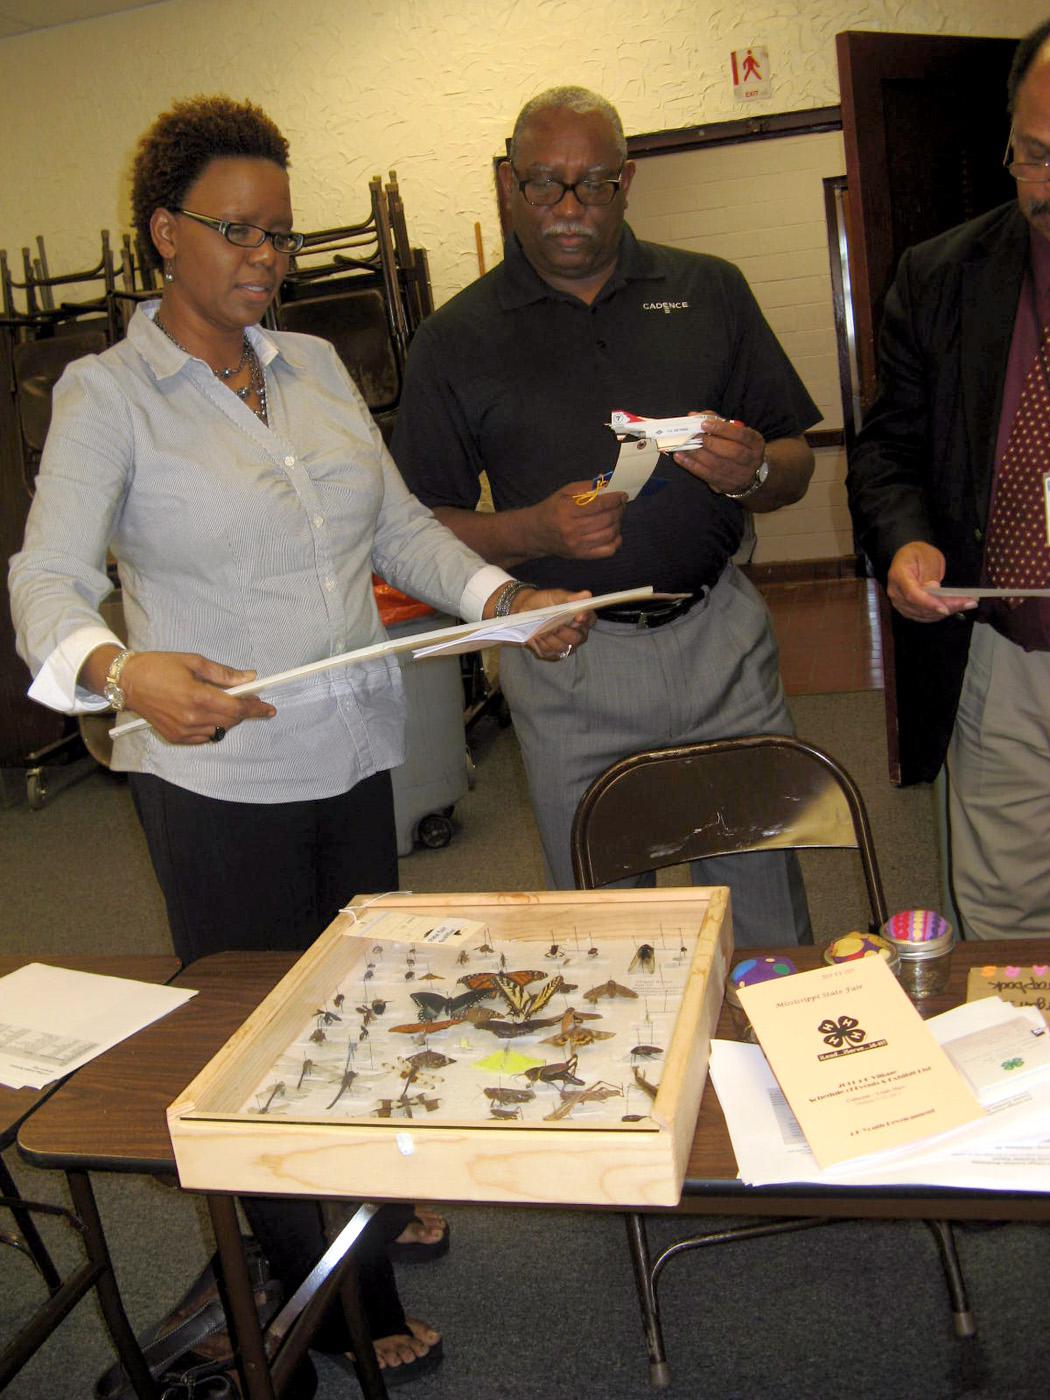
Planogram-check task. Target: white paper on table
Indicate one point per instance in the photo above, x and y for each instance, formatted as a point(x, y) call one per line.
point(475, 635)
point(53, 1020)
point(771, 1149)
point(1006, 1053)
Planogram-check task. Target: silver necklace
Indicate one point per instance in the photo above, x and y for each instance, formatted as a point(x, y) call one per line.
point(256, 378)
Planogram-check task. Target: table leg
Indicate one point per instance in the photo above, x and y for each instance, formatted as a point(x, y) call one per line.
point(109, 1298)
point(30, 1234)
point(962, 1314)
point(238, 1298)
point(638, 1244)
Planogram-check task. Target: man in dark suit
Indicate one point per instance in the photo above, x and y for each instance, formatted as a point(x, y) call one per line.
point(950, 484)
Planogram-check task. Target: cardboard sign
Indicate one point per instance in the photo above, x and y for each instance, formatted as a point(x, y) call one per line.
point(1020, 986)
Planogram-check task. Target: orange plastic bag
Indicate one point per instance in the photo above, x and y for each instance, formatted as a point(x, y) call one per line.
point(395, 606)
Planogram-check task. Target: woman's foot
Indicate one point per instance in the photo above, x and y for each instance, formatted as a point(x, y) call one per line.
point(405, 1356)
point(427, 1227)
point(424, 1238)
point(406, 1348)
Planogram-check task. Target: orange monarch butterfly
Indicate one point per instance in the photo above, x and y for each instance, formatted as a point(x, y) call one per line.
point(486, 981)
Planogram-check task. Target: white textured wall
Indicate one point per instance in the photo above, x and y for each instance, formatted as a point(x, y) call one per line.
point(429, 88)
point(761, 204)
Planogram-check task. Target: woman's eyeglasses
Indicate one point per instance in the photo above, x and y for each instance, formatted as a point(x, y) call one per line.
point(249, 235)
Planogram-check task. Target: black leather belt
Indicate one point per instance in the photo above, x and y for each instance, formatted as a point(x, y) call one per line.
point(654, 614)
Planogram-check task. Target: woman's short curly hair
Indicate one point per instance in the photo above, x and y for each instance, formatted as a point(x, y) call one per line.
point(180, 143)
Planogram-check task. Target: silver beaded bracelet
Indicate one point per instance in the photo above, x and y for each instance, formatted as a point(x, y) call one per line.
point(506, 596)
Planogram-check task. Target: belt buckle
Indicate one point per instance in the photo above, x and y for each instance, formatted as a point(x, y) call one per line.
point(643, 622)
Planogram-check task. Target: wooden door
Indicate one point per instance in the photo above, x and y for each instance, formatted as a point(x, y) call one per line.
point(925, 127)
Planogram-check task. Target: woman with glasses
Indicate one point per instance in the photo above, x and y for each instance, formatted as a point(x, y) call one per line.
point(244, 490)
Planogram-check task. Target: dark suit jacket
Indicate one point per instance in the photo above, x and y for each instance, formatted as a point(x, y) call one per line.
point(922, 467)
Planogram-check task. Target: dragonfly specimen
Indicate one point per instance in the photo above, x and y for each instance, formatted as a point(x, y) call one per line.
point(349, 1075)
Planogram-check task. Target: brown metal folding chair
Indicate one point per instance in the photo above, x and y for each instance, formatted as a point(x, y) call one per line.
point(668, 806)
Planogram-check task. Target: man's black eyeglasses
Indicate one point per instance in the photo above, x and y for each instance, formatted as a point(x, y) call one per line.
point(545, 193)
point(249, 235)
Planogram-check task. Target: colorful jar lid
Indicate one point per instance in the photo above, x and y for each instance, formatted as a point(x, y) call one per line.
point(918, 930)
point(859, 945)
point(752, 971)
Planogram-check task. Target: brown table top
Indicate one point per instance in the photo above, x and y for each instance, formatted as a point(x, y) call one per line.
point(111, 1114)
point(15, 1104)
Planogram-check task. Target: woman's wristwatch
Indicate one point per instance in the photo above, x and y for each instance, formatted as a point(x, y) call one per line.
point(112, 689)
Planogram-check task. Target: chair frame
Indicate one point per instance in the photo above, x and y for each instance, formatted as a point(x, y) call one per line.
point(590, 872)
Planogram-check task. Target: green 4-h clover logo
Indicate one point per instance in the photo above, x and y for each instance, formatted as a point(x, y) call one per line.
point(1015, 1063)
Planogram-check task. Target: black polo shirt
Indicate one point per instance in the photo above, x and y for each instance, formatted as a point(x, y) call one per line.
point(516, 379)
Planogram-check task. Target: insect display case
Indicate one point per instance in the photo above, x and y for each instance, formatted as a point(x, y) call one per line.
point(545, 1047)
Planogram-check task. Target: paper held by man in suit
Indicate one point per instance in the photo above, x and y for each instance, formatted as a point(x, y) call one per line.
point(980, 591)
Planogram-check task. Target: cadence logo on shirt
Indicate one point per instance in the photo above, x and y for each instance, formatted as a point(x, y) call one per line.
point(665, 306)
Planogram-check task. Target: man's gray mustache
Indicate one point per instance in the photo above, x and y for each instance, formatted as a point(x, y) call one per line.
point(566, 226)
point(1037, 207)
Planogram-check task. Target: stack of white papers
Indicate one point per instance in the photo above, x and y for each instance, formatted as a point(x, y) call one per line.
point(1007, 1149)
point(53, 1020)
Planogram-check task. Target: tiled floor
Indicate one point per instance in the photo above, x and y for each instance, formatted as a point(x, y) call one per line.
point(828, 634)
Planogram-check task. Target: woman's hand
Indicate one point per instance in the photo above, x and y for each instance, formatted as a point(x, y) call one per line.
point(183, 696)
point(562, 641)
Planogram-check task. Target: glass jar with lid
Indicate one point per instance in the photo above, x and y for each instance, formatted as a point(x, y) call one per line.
point(923, 940)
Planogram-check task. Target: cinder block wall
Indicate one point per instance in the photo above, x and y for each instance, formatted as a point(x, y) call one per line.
point(760, 204)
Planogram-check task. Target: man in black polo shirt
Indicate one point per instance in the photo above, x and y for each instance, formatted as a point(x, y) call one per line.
point(516, 377)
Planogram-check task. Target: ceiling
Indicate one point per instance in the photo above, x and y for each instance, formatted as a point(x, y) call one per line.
point(23, 16)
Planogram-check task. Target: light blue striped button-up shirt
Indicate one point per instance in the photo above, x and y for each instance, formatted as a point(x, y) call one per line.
point(249, 544)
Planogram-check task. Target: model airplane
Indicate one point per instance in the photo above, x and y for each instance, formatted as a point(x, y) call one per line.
point(668, 434)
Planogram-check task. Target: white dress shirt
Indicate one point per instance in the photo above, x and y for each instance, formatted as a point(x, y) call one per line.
point(250, 544)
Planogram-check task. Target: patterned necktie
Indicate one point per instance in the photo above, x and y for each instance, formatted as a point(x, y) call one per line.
point(1016, 553)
